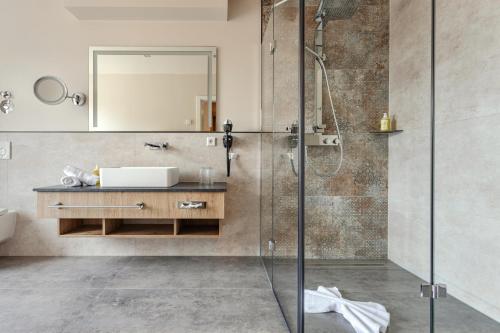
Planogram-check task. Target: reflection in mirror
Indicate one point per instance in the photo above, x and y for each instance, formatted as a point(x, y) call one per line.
point(50, 90)
point(153, 89)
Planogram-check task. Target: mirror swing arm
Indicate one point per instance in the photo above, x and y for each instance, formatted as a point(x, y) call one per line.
point(78, 99)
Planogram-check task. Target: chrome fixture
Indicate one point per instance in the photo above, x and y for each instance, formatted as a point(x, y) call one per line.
point(191, 204)
point(52, 91)
point(60, 205)
point(335, 10)
point(157, 145)
point(227, 140)
point(6, 105)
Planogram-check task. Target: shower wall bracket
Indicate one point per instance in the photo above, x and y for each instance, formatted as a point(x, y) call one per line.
point(320, 139)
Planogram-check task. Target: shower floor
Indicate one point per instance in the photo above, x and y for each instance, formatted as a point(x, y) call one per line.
point(382, 282)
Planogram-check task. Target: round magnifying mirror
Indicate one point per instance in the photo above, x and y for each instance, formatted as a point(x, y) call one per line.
point(50, 90)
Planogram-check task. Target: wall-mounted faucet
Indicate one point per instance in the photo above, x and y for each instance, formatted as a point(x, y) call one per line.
point(228, 143)
point(156, 145)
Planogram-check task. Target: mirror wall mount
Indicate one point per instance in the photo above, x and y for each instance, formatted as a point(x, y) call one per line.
point(51, 90)
point(6, 105)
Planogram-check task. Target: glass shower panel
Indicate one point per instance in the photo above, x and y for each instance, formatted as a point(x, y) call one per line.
point(267, 100)
point(467, 179)
point(367, 226)
point(284, 145)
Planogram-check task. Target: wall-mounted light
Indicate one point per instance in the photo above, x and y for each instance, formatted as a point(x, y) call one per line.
point(6, 105)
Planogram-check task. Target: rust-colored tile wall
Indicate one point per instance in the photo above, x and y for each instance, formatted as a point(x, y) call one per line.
point(346, 214)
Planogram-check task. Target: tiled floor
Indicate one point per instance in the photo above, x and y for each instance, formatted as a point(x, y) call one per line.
point(136, 294)
point(385, 283)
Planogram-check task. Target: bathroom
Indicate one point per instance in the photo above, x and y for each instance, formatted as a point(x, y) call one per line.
point(326, 144)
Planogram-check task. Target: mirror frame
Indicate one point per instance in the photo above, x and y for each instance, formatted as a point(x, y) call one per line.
point(95, 51)
point(58, 101)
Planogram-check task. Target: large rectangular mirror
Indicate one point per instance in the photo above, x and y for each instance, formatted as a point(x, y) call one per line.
point(153, 89)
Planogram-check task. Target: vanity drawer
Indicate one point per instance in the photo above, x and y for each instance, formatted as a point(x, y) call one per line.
point(143, 205)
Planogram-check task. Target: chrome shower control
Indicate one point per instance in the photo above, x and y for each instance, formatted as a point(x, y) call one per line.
point(320, 139)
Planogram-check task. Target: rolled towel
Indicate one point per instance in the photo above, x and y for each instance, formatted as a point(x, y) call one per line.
point(70, 181)
point(84, 177)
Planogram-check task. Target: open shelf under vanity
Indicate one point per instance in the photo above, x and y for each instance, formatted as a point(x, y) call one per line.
point(124, 228)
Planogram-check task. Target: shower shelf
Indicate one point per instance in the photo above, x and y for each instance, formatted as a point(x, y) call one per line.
point(386, 132)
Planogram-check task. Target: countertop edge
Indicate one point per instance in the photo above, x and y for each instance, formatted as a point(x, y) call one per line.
point(181, 187)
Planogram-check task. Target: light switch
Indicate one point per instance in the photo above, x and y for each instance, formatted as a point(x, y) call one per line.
point(5, 150)
point(211, 141)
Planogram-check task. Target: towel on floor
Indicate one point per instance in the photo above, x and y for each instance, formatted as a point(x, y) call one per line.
point(84, 177)
point(365, 317)
point(70, 181)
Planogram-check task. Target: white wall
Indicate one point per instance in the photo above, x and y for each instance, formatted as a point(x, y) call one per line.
point(42, 38)
point(467, 145)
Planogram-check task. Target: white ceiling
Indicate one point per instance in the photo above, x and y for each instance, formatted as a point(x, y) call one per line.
point(149, 10)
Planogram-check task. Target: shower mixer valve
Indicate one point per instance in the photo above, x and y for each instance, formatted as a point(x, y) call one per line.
point(319, 139)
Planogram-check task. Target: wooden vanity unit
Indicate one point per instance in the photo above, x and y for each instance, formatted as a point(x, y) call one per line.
point(186, 210)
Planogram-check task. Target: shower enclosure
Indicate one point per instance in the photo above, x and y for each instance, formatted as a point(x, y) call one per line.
point(373, 214)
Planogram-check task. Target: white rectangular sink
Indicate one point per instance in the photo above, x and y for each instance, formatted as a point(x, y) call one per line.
point(139, 177)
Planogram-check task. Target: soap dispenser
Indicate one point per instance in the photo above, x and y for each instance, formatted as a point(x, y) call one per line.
point(385, 123)
point(96, 172)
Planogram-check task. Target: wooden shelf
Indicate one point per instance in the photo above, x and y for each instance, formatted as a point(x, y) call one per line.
point(386, 132)
point(143, 230)
point(80, 227)
point(199, 231)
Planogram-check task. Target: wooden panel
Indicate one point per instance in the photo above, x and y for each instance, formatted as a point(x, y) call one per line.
point(143, 231)
point(157, 205)
point(198, 229)
point(111, 225)
point(80, 228)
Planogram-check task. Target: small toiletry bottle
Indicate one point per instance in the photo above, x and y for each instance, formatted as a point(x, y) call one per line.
point(385, 123)
point(96, 172)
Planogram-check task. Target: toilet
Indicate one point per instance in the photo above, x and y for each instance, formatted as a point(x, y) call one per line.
point(7, 224)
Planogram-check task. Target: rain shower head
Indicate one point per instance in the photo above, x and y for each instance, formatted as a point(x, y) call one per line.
point(331, 10)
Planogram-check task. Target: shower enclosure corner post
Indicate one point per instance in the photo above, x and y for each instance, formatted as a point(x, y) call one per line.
point(301, 176)
point(433, 157)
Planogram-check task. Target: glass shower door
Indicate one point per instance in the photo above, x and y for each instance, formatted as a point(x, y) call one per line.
point(284, 154)
point(467, 180)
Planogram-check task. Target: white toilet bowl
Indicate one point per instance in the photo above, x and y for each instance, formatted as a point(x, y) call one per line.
point(7, 224)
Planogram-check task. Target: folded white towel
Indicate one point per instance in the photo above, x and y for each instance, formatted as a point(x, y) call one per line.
point(84, 177)
point(365, 317)
point(70, 181)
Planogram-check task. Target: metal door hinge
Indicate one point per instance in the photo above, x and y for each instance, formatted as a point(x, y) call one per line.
point(272, 47)
point(272, 245)
point(433, 290)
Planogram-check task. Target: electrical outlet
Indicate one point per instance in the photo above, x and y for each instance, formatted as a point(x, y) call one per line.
point(211, 141)
point(5, 150)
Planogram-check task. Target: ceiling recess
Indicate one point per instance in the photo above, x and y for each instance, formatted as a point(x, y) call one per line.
point(149, 10)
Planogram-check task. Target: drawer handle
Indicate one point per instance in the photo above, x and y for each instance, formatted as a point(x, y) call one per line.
point(60, 205)
point(191, 204)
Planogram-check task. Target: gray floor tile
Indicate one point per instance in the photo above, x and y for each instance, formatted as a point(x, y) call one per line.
point(191, 272)
point(182, 310)
point(387, 284)
point(59, 272)
point(42, 310)
point(139, 294)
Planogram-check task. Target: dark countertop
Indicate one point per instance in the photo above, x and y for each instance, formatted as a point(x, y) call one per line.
point(181, 187)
